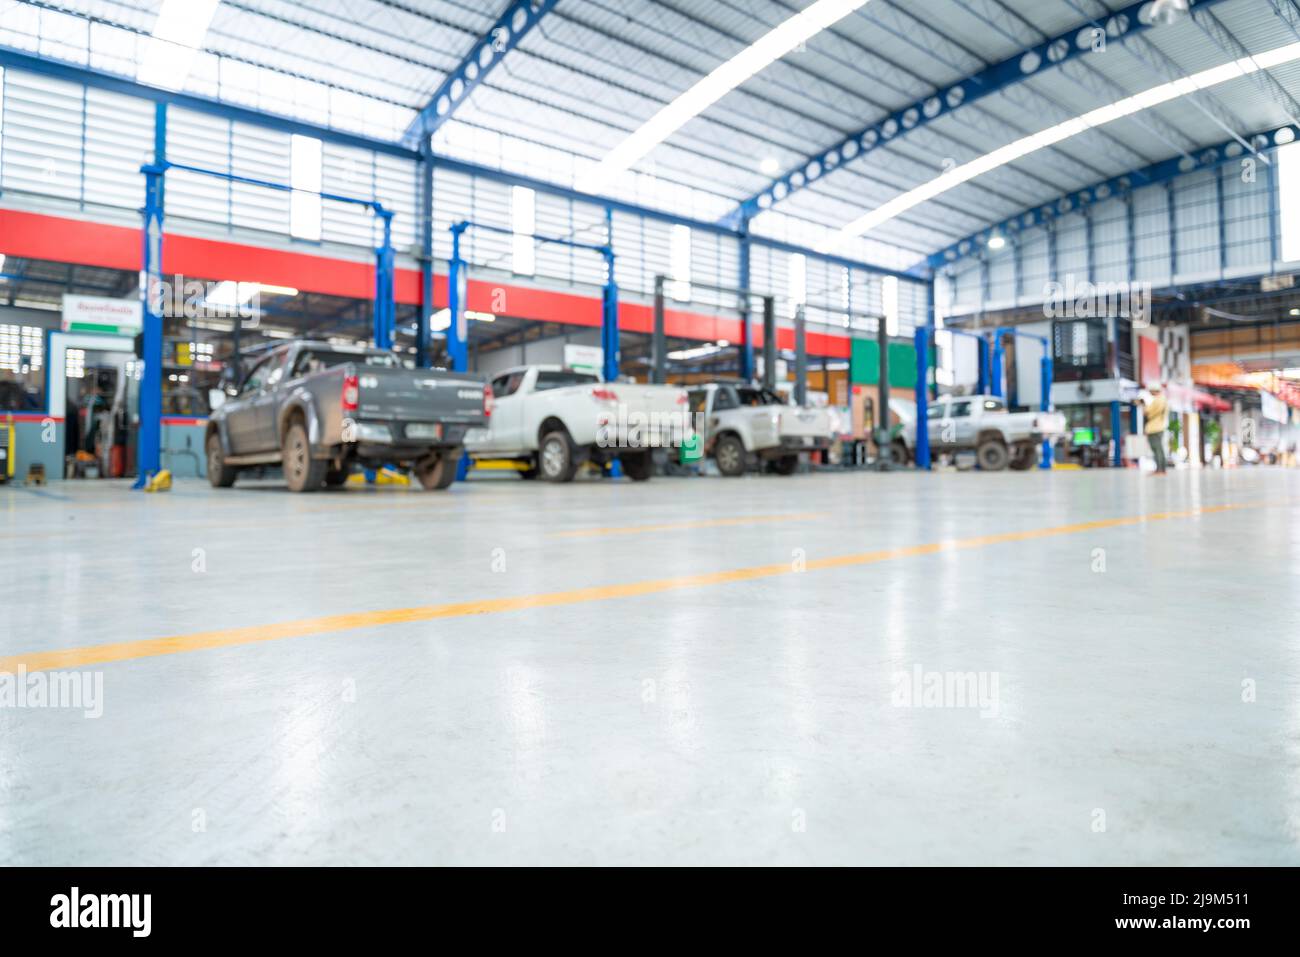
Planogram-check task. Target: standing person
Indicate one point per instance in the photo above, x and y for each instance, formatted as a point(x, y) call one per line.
point(1156, 414)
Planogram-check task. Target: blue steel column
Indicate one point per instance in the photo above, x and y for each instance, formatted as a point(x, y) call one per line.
point(1117, 455)
point(746, 336)
point(1045, 400)
point(457, 346)
point(149, 442)
point(922, 443)
point(385, 309)
point(425, 319)
point(609, 335)
point(995, 365)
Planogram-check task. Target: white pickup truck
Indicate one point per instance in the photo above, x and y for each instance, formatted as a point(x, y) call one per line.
point(982, 422)
point(740, 422)
point(554, 419)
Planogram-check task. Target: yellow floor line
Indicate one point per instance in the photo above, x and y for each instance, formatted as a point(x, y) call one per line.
point(677, 526)
point(225, 638)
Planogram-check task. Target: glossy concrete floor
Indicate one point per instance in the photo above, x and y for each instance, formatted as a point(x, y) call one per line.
point(1146, 707)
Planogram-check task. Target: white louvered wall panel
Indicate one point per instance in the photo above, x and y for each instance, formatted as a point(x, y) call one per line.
point(630, 270)
point(196, 139)
point(265, 155)
point(487, 247)
point(347, 172)
point(1109, 242)
point(1196, 212)
point(42, 136)
point(396, 187)
point(1246, 214)
point(119, 140)
point(1034, 264)
point(1151, 235)
point(452, 203)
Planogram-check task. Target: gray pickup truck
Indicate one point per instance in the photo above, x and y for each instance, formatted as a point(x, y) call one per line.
point(318, 410)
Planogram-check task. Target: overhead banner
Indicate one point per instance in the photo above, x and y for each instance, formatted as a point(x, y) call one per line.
point(114, 317)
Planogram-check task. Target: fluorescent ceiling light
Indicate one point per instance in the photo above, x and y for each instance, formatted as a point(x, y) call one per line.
point(996, 242)
point(231, 294)
point(776, 43)
point(769, 167)
point(441, 320)
point(1055, 134)
point(177, 34)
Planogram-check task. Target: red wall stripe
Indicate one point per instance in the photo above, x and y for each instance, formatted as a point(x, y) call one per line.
point(38, 236)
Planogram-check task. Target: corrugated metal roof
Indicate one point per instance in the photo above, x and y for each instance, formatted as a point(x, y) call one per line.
point(594, 70)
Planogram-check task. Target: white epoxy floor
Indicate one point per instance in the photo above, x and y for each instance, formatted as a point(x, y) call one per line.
point(736, 719)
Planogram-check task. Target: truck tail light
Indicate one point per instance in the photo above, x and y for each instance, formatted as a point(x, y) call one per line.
point(604, 395)
point(487, 401)
point(351, 393)
point(682, 398)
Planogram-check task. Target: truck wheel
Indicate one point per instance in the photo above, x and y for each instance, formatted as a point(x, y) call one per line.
point(638, 466)
point(530, 472)
point(556, 459)
point(730, 456)
point(302, 473)
point(438, 471)
point(992, 455)
point(220, 475)
point(786, 465)
point(898, 452)
point(1023, 458)
point(336, 477)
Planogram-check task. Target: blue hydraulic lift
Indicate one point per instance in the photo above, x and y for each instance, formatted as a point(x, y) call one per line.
point(1045, 376)
point(922, 338)
point(150, 438)
point(457, 296)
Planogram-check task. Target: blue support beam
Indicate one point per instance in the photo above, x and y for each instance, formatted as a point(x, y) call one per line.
point(1028, 63)
point(149, 440)
point(1162, 172)
point(488, 51)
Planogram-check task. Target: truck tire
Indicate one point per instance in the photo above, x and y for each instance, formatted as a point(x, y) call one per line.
point(729, 453)
point(556, 459)
point(302, 473)
point(220, 475)
point(1023, 458)
point(992, 455)
point(786, 465)
point(638, 466)
point(437, 471)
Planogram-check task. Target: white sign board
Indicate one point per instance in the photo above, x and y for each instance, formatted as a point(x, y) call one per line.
point(583, 358)
point(116, 317)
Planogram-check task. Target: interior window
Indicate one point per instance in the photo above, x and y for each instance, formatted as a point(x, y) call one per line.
point(558, 380)
point(724, 399)
point(257, 377)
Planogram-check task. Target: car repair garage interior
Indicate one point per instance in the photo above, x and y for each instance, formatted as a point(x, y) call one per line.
point(655, 432)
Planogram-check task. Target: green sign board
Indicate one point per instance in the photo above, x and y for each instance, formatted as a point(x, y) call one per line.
point(864, 364)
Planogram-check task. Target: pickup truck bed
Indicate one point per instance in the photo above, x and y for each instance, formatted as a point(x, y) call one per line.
point(319, 410)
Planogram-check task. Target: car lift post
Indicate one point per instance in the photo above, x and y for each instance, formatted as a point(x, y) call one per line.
point(155, 173)
point(769, 342)
point(458, 301)
point(1044, 380)
point(658, 358)
point(925, 337)
point(801, 356)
